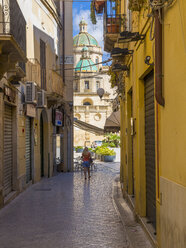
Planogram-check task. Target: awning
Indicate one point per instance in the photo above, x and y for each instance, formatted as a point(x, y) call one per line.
point(88, 127)
point(112, 123)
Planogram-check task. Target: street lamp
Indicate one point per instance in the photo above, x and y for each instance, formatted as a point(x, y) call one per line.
point(121, 52)
point(101, 92)
point(127, 36)
point(119, 67)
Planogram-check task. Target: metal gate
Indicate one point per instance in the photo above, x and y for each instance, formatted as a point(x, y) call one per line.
point(150, 149)
point(28, 151)
point(8, 151)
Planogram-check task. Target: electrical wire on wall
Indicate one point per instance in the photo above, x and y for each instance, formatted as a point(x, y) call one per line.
point(157, 5)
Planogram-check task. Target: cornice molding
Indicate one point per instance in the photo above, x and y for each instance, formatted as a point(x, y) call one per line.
point(52, 12)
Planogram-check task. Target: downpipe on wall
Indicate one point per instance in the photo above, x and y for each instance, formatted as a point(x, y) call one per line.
point(158, 60)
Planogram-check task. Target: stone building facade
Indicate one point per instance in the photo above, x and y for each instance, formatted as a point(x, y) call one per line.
point(90, 75)
point(35, 105)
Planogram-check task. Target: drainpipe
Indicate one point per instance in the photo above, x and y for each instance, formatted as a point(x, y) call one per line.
point(158, 60)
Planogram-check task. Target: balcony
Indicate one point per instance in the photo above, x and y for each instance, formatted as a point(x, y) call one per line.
point(99, 6)
point(12, 35)
point(87, 90)
point(90, 109)
point(113, 25)
point(55, 83)
point(55, 88)
point(33, 69)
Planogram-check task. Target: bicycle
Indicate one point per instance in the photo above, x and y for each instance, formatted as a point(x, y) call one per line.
point(78, 163)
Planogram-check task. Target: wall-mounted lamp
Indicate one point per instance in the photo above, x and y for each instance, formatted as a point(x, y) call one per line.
point(119, 67)
point(147, 60)
point(120, 52)
point(127, 36)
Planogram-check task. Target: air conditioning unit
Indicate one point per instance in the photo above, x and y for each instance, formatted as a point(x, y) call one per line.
point(31, 93)
point(41, 99)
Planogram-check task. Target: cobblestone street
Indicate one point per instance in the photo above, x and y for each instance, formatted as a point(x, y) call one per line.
point(65, 211)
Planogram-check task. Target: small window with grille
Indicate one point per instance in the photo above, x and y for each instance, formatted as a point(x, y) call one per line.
point(97, 85)
point(87, 86)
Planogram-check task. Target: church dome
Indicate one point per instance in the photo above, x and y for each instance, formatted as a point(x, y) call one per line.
point(86, 65)
point(84, 38)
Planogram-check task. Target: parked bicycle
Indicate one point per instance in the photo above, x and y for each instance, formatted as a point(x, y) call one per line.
point(78, 163)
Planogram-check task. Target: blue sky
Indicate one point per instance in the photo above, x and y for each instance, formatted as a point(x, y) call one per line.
point(82, 10)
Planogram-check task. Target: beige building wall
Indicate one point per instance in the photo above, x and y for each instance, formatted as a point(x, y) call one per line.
point(42, 23)
point(97, 112)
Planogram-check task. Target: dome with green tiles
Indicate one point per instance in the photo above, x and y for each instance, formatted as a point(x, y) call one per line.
point(86, 65)
point(84, 38)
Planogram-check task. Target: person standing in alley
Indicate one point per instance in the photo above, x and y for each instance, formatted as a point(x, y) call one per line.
point(86, 156)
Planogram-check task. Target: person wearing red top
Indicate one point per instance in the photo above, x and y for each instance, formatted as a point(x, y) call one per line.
point(86, 156)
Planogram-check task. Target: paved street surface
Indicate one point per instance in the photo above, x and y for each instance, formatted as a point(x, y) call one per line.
point(65, 211)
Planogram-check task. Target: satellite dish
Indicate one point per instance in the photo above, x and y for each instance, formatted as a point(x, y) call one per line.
point(100, 92)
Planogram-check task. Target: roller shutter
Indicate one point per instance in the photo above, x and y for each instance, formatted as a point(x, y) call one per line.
point(8, 151)
point(42, 146)
point(28, 150)
point(150, 149)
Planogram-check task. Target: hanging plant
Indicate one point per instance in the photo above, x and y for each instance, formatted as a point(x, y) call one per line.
point(113, 77)
point(92, 13)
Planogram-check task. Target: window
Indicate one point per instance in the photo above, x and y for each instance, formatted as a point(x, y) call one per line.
point(86, 85)
point(43, 64)
point(76, 87)
point(97, 85)
point(86, 103)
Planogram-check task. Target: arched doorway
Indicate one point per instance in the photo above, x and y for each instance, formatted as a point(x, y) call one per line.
point(43, 143)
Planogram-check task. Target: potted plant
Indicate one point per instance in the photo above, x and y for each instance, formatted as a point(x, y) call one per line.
point(91, 151)
point(108, 155)
point(79, 149)
point(113, 77)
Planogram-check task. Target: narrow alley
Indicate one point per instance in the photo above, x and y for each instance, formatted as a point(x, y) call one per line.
point(65, 211)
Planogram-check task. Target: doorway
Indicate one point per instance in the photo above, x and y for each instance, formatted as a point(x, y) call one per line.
point(42, 145)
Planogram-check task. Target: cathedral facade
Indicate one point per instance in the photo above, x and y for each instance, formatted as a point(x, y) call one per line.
point(90, 75)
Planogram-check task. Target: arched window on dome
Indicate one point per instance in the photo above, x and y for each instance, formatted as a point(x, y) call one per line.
point(97, 85)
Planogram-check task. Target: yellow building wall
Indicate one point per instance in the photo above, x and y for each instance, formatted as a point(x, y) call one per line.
point(171, 177)
point(134, 82)
point(172, 130)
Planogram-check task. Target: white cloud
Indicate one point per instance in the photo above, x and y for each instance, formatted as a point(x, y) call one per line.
point(95, 30)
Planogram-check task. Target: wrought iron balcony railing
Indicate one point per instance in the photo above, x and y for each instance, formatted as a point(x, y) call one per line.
point(114, 24)
point(12, 22)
